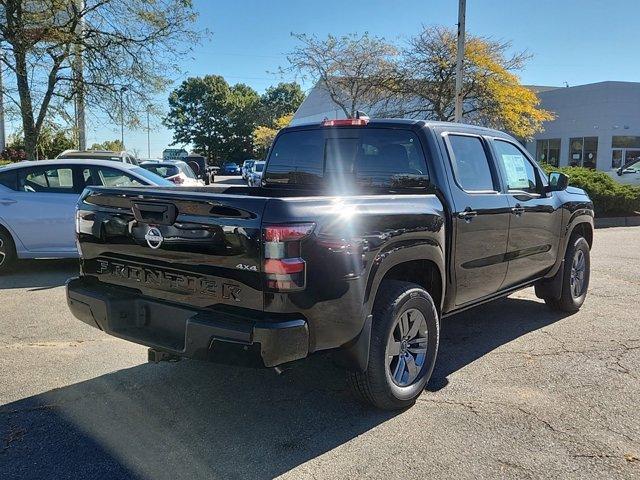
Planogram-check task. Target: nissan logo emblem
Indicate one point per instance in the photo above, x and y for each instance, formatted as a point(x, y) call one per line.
point(154, 238)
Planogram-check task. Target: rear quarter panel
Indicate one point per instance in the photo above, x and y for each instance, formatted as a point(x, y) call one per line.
point(356, 240)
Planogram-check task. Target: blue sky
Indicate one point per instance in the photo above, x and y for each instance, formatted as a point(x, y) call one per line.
point(571, 41)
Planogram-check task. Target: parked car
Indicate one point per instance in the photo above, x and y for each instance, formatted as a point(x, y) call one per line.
point(176, 171)
point(123, 156)
point(38, 201)
point(628, 174)
point(364, 235)
point(230, 168)
point(200, 167)
point(255, 174)
point(246, 168)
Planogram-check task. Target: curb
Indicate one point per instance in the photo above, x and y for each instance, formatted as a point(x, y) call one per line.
point(607, 222)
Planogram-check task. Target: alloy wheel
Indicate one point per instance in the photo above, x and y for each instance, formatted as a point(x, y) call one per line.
point(407, 347)
point(578, 270)
point(3, 253)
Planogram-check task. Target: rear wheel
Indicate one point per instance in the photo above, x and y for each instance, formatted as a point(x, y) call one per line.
point(7, 251)
point(575, 277)
point(404, 344)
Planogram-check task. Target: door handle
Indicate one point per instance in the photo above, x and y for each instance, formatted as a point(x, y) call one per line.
point(518, 210)
point(467, 215)
point(7, 201)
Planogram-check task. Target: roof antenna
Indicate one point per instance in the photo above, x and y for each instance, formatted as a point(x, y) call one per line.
point(566, 84)
point(362, 115)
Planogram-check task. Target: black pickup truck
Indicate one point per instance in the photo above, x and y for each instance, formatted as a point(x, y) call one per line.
point(362, 237)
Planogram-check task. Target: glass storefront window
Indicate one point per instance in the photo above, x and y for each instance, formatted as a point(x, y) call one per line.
point(548, 151)
point(616, 159)
point(621, 141)
point(583, 152)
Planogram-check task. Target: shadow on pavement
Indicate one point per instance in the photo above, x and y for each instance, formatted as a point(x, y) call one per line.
point(199, 420)
point(39, 274)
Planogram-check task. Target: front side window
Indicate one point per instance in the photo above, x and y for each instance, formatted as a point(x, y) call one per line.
point(470, 163)
point(9, 179)
point(52, 180)
point(108, 177)
point(519, 171)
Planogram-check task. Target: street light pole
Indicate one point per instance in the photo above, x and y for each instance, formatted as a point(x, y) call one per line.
point(148, 134)
point(122, 90)
point(462, 6)
point(78, 78)
point(3, 140)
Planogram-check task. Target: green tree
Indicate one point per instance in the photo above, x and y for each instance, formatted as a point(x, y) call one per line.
point(122, 47)
point(492, 94)
point(215, 118)
point(52, 141)
point(278, 101)
point(111, 145)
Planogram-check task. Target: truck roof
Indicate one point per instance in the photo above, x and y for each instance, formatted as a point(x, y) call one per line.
point(391, 122)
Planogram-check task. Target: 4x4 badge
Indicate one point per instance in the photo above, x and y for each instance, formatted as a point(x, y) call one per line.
point(242, 266)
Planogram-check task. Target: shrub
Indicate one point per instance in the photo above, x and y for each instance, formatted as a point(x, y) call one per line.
point(11, 154)
point(609, 197)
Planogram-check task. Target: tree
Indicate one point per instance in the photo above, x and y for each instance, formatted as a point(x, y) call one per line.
point(278, 101)
point(111, 145)
point(215, 118)
point(492, 93)
point(263, 135)
point(52, 141)
point(122, 47)
point(353, 69)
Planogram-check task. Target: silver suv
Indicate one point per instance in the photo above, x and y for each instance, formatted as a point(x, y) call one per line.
point(123, 156)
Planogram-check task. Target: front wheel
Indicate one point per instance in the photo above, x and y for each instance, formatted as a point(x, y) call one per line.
point(404, 344)
point(575, 277)
point(7, 252)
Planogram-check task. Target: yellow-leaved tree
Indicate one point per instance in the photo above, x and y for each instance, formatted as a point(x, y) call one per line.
point(263, 135)
point(492, 93)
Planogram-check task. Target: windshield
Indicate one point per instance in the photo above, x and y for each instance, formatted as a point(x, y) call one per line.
point(163, 170)
point(341, 158)
point(258, 167)
point(186, 169)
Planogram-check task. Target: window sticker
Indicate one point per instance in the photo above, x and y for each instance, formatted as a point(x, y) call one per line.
point(65, 177)
point(516, 171)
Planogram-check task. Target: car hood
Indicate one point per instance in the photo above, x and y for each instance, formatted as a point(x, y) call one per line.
point(576, 191)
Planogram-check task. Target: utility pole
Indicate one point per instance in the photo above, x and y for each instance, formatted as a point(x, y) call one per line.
point(462, 6)
point(78, 79)
point(148, 134)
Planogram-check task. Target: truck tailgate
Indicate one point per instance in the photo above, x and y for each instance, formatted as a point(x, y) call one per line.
point(196, 248)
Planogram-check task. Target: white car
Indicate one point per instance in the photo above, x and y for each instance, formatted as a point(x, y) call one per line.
point(176, 171)
point(254, 179)
point(38, 202)
point(628, 174)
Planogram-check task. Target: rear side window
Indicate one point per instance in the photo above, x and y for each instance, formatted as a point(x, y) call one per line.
point(348, 157)
point(108, 177)
point(470, 163)
point(163, 170)
point(9, 179)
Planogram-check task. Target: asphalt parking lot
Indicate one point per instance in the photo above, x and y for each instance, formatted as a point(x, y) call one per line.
point(518, 392)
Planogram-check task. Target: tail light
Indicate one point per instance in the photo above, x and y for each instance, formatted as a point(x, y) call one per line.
point(284, 268)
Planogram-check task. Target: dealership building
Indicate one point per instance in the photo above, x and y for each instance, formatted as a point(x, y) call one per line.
point(596, 125)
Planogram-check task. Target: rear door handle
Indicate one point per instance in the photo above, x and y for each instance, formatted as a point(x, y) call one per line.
point(517, 210)
point(467, 215)
point(7, 201)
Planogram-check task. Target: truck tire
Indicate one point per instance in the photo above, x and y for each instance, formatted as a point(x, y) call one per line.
point(575, 277)
point(7, 251)
point(405, 335)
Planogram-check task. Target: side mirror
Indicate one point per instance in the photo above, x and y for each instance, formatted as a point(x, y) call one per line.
point(557, 182)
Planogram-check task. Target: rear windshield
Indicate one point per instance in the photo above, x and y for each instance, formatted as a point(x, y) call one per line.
point(163, 170)
point(343, 158)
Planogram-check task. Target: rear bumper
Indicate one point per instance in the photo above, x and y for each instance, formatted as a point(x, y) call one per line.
point(186, 332)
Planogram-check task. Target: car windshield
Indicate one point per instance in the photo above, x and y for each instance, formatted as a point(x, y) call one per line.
point(152, 177)
point(186, 169)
